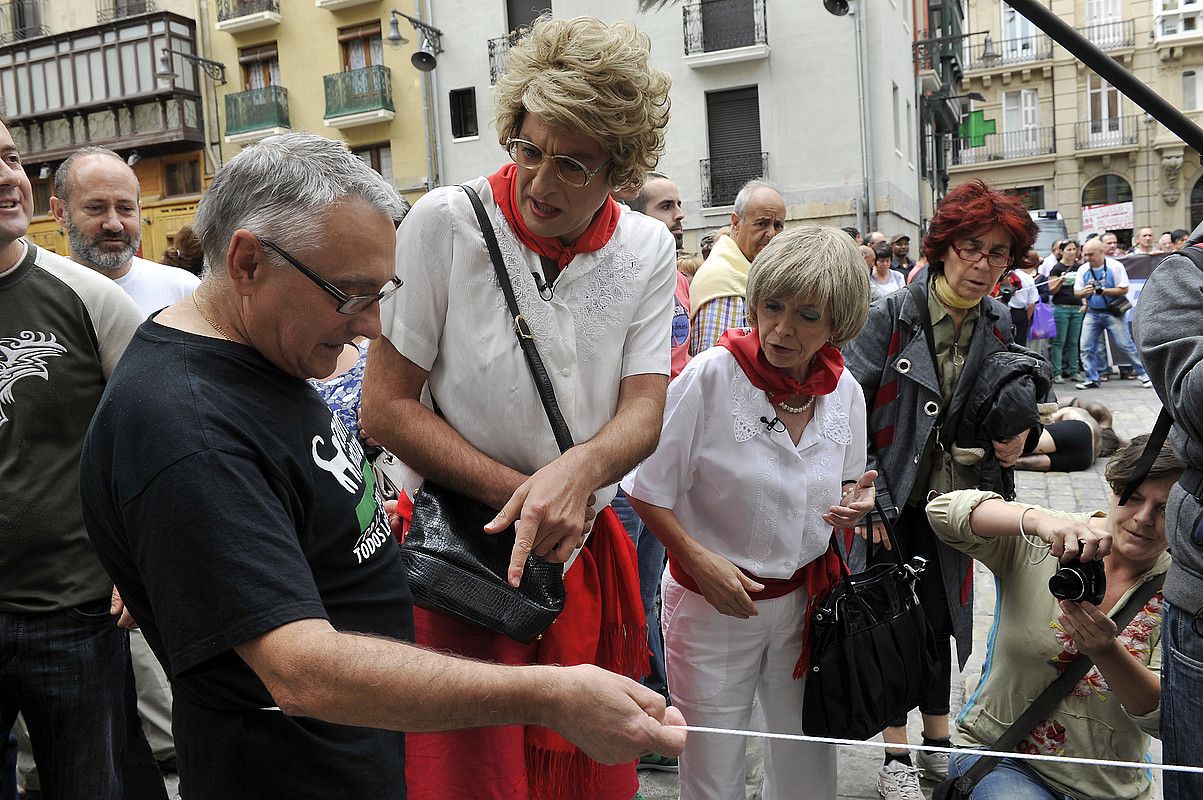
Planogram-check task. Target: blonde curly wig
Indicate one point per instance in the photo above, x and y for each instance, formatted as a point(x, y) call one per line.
point(583, 75)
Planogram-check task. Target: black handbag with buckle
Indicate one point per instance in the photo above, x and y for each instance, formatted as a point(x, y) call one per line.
point(453, 566)
point(873, 655)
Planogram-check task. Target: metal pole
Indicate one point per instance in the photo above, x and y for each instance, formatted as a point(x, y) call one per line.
point(1111, 71)
point(866, 121)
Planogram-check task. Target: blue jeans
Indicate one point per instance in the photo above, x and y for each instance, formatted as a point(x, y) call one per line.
point(1092, 331)
point(651, 566)
point(1181, 700)
point(1011, 779)
point(66, 672)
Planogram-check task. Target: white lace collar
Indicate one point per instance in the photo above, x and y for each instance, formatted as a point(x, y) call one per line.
point(610, 280)
point(750, 407)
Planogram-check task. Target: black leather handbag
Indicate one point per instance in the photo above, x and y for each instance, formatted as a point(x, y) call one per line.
point(873, 655)
point(453, 566)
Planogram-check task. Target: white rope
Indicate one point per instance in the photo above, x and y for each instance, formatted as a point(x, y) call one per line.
point(1096, 762)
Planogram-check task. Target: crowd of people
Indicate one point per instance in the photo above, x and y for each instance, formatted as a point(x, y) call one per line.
point(203, 571)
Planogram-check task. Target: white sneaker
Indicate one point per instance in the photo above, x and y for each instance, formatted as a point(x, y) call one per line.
point(897, 781)
point(934, 766)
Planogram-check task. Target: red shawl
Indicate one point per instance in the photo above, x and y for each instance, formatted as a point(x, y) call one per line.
point(821, 377)
point(602, 623)
point(605, 221)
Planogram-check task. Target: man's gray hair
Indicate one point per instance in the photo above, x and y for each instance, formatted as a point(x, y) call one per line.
point(62, 175)
point(747, 190)
point(278, 187)
point(639, 201)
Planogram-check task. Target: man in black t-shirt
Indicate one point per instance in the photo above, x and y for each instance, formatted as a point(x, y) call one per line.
point(242, 523)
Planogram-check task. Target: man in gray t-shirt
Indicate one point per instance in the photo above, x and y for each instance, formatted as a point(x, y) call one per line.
point(62, 329)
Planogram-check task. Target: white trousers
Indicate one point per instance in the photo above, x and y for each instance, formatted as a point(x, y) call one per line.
point(716, 666)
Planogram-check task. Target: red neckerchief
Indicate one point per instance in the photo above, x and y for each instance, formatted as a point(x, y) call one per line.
point(594, 238)
point(821, 377)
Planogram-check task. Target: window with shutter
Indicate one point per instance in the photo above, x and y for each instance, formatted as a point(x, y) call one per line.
point(733, 126)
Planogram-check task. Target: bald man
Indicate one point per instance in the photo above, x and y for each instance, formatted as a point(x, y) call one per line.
point(97, 202)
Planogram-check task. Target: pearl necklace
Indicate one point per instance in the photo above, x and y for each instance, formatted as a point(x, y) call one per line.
point(798, 409)
point(212, 324)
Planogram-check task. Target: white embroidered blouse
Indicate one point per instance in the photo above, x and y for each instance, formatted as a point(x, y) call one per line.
point(739, 488)
point(610, 317)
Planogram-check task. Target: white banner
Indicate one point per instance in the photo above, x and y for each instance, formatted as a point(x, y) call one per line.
point(1102, 218)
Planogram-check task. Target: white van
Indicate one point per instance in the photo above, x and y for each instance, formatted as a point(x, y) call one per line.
point(1052, 228)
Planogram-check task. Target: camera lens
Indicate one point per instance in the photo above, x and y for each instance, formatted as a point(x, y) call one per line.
point(1067, 584)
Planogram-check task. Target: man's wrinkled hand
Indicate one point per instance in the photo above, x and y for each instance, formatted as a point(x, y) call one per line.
point(613, 719)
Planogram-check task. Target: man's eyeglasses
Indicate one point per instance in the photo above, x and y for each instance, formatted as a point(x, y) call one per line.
point(347, 304)
point(529, 155)
point(968, 251)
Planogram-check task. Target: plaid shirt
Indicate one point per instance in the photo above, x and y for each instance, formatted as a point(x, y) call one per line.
point(713, 319)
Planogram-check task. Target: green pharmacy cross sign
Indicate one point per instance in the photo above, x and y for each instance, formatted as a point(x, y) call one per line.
point(977, 128)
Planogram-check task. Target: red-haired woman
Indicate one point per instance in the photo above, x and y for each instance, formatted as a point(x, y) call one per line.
point(914, 384)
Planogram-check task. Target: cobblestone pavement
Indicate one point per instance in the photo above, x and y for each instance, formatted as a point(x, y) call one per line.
point(1135, 410)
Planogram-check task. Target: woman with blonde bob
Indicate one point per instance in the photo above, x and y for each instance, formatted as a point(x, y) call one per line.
point(762, 452)
point(581, 113)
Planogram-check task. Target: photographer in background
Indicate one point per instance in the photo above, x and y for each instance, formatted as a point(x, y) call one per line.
point(1115, 708)
point(1102, 282)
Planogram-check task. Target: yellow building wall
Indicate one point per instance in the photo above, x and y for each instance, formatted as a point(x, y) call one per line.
point(306, 39)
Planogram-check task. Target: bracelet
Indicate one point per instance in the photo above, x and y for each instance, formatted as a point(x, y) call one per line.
point(1033, 541)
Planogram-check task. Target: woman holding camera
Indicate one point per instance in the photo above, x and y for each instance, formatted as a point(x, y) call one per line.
point(1115, 708)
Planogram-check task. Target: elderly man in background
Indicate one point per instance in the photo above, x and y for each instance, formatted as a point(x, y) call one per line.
point(243, 525)
point(96, 200)
point(1143, 243)
point(717, 291)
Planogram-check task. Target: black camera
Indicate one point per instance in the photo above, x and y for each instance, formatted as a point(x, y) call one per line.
point(1005, 292)
point(1081, 581)
point(1098, 289)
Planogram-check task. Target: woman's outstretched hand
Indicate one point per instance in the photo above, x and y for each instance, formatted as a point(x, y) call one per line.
point(856, 501)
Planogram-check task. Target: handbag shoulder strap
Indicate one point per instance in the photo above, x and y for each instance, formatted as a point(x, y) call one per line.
point(526, 339)
point(1161, 429)
point(1152, 449)
point(1055, 691)
point(924, 320)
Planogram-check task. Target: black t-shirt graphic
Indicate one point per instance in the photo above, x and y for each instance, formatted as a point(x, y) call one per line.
point(226, 500)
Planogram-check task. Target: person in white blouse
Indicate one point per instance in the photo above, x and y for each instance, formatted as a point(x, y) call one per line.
point(760, 456)
point(580, 113)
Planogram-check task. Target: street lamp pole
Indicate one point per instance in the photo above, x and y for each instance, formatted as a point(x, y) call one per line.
point(216, 72)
